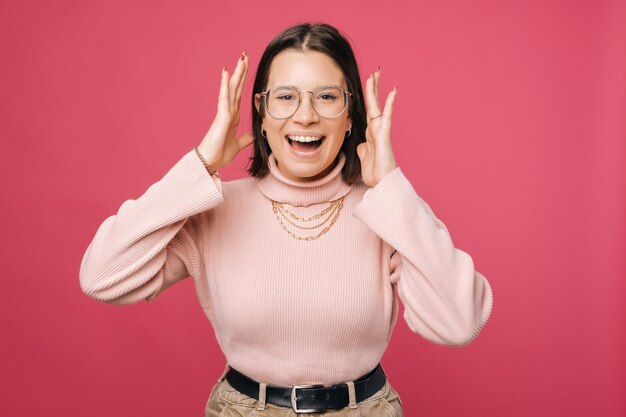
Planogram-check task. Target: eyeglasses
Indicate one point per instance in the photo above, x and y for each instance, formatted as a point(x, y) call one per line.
point(329, 101)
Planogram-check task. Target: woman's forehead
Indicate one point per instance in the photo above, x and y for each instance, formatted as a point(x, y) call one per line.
point(304, 70)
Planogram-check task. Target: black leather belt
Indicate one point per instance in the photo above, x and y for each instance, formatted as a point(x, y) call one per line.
point(310, 398)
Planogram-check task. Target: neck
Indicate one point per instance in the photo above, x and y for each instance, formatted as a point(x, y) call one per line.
point(322, 188)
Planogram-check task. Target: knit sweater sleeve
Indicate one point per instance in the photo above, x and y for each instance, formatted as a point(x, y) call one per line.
point(445, 299)
point(154, 241)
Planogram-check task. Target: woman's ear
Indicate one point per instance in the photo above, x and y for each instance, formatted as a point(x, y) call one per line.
point(257, 101)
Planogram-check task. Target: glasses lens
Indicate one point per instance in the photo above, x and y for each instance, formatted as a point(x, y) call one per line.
point(282, 101)
point(329, 101)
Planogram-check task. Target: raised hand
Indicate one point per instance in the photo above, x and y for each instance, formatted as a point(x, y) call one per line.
point(219, 146)
point(376, 153)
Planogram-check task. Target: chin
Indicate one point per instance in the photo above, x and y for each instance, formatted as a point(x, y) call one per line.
point(304, 171)
point(306, 174)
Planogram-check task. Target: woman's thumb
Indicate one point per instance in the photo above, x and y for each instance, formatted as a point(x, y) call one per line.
point(361, 151)
point(245, 140)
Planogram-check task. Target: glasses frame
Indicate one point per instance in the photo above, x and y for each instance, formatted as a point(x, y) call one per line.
point(346, 93)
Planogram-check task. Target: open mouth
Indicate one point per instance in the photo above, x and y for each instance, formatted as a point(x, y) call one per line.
point(305, 143)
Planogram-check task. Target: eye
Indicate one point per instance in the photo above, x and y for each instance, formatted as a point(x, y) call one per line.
point(286, 97)
point(327, 97)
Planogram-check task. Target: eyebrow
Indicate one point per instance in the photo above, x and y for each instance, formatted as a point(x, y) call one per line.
point(293, 86)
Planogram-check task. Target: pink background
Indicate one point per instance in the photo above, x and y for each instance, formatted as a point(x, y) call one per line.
point(509, 121)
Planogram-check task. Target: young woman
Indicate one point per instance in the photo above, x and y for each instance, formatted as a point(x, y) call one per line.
point(298, 267)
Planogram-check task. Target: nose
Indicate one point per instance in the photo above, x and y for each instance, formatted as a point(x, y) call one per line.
point(305, 113)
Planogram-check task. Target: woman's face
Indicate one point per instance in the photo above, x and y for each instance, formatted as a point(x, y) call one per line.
point(305, 70)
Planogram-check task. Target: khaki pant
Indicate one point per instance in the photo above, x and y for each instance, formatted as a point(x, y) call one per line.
point(225, 401)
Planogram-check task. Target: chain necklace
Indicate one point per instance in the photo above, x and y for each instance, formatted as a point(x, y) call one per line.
point(332, 212)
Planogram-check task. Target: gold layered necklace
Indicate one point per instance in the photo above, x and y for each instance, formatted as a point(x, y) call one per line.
point(328, 217)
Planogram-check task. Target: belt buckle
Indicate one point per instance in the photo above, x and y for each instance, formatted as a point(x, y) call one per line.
point(294, 402)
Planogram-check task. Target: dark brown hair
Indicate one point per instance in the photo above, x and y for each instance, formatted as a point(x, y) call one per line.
point(321, 38)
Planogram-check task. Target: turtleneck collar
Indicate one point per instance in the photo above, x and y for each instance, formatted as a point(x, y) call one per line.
point(303, 193)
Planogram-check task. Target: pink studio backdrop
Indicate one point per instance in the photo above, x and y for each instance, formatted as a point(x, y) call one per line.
point(510, 123)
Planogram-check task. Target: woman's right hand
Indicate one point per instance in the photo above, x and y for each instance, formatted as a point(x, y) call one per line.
point(219, 146)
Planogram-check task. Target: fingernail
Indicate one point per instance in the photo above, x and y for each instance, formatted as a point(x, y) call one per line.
point(244, 51)
point(379, 69)
point(224, 69)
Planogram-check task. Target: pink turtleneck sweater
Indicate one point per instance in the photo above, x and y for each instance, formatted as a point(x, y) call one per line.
point(289, 311)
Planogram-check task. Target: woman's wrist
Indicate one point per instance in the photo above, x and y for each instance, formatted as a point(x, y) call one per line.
point(211, 169)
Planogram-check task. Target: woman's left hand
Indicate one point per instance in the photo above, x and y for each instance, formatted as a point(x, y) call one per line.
point(376, 153)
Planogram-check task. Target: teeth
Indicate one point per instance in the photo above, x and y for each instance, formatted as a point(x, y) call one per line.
point(305, 138)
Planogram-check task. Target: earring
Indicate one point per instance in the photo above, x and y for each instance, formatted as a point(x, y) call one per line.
point(263, 133)
point(349, 132)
